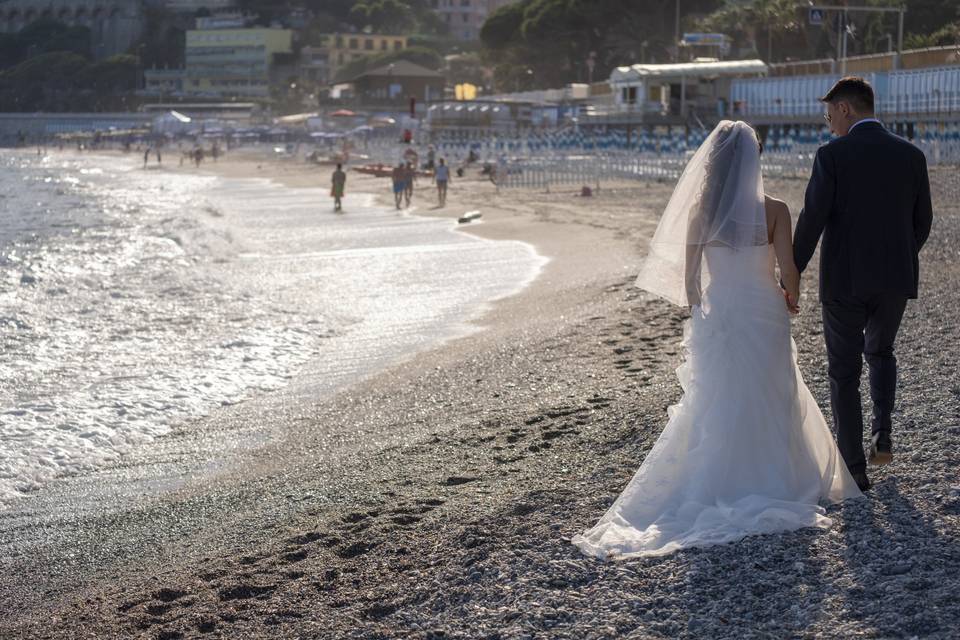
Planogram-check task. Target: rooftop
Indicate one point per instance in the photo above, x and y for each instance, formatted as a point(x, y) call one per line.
point(400, 69)
point(688, 69)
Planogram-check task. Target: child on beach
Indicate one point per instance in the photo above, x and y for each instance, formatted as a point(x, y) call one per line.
point(339, 180)
point(442, 176)
point(399, 185)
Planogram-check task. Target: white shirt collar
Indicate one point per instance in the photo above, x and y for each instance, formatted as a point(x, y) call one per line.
point(862, 121)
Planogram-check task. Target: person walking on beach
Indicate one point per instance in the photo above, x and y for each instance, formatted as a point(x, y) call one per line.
point(339, 180)
point(146, 157)
point(409, 177)
point(869, 197)
point(398, 183)
point(747, 450)
point(442, 176)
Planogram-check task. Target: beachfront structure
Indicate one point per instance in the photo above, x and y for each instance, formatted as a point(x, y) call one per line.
point(674, 93)
point(488, 116)
point(396, 83)
point(241, 112)
point(114, 24)
point(321, 62)
point(44, 125)
point(902, 95)
point(465, 18)
point(233, 62)
point(193, 6)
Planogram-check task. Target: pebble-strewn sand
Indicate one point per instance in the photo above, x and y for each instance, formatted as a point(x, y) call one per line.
point(491, 451)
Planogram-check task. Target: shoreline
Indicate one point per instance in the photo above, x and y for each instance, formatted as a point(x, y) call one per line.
point(177, 484)
point(510, 440)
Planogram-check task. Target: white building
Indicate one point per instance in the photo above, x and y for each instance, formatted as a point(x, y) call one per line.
point(680, 90)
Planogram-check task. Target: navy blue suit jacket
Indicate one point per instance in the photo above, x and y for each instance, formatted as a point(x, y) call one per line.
point(869, 196)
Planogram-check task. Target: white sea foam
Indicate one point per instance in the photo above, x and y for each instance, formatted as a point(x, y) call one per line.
point(133, 301)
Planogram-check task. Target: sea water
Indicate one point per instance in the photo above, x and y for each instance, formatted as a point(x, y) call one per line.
point(133, 302)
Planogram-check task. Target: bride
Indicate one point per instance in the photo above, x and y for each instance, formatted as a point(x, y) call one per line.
point(746, 450)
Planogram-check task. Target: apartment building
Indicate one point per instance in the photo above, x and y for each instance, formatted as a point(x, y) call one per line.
point(234, 62)
point(321, 62)
point(466, 17)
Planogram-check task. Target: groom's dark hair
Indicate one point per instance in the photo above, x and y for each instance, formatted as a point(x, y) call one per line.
point(854, 90)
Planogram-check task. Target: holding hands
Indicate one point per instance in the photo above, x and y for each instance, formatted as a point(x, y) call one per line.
point(791, 296)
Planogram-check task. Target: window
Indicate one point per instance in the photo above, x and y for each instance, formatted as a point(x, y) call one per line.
point(354, 43)
point(368, 45)
point(464, 3)
point(466, 17)
point(339, 42)
point(398, 45)
point(383, 45)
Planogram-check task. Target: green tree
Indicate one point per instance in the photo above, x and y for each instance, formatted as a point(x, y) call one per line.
point(948, 35)
point(383, 16)
point(41, 83)
point(771, 29)
point(549, 42)
point(116, 74)
point(42, 36)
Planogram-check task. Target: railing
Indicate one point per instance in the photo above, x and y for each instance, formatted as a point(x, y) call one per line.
point(571, 157)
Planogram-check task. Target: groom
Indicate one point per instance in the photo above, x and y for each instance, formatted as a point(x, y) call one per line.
point(870, 199)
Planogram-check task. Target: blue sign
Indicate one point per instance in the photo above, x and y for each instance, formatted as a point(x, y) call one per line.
point(816, 16)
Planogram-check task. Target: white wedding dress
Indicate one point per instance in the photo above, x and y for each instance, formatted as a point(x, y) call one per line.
point(746, 450)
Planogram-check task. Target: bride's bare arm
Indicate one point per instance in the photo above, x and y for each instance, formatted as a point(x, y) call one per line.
point(692, 272)
point(693, 258)
point(778, 220)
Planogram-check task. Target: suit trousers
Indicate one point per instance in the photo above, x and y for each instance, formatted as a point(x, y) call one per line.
point(855, 328)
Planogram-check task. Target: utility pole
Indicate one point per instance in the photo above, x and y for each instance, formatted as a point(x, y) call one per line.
point(903, 10)
point(676, 34)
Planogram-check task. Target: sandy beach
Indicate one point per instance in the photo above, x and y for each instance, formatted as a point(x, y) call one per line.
point(436, 499)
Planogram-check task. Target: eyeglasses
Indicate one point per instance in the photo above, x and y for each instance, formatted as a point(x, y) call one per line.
point(827, 117)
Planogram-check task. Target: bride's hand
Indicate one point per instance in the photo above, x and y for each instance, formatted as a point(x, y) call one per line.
point(792, 299)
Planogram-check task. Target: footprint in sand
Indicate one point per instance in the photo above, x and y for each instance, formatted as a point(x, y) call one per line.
point(245, 591)
point(356, 549)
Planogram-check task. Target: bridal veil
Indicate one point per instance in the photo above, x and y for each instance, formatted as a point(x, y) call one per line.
point(717, 201)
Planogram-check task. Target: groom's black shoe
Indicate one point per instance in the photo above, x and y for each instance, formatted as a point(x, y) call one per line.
point(881, 449)
point(862, 480)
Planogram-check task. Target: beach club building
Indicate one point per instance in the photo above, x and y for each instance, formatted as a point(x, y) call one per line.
point(233, 62)
point(676, 93)
point(396, 83)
